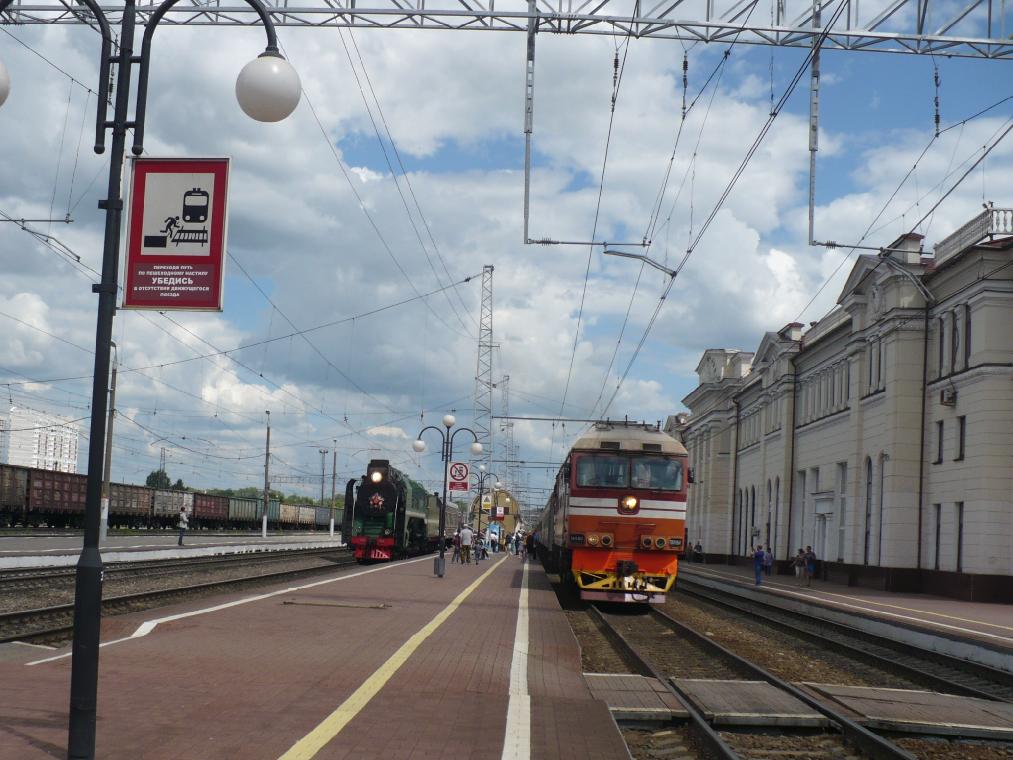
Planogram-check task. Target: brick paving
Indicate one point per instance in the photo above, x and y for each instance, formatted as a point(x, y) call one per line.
point(251, 680)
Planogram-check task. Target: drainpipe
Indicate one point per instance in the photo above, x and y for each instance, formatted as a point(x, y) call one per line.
point(791, 464)
point(735, 476)
point(921, 455)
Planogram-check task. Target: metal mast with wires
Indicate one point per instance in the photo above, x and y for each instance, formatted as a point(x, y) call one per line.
point(483, 373)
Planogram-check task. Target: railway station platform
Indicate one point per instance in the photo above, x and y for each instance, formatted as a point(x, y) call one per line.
point(63, 551)
point(384, 661)
point(977, 631)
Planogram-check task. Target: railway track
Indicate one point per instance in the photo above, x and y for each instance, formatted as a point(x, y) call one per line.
point(48, 624)
point(16, 581)
point(939, 672)
point(649, 642)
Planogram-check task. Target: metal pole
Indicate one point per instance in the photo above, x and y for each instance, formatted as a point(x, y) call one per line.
point(441, 562)
point(88, 581)
point(104, 522)
point(481, 485)
point(323, 473)
point(334, 479)
point(267, 481)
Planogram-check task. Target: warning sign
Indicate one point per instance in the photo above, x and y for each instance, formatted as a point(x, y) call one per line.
point(459, 473)
point(176, 234)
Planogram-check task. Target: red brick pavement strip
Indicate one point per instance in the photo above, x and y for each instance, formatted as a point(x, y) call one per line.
point(251, 680)
point(989, 623)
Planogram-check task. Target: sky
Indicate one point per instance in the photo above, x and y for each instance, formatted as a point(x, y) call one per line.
point(329, 221)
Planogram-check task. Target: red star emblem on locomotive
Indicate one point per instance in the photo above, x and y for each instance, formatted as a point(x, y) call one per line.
point(376, 500)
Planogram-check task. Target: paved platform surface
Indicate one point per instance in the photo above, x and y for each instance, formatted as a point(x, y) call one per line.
point(385, 661)
point(990, 624)
point(62, 551)
point(923, 712)
point(748, 703)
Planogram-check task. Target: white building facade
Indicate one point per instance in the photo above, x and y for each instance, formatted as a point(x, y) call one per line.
point(29, 438)
point(883, 435)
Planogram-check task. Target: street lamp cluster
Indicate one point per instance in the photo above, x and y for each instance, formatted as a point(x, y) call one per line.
point(446, 454)
point(267, 89)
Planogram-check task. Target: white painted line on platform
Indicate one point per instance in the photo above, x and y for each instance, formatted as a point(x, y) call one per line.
point(331, 726)
point(148, 626)
point(517, 740)
point(884, 613)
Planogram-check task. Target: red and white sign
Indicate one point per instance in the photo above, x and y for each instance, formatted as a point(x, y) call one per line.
point(176, 226)
point(500, 513)
point(458, 475)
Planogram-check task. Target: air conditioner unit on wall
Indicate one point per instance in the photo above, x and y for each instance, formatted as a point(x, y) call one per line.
point(948, 397)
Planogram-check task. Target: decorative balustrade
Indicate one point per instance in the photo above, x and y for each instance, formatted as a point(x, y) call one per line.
point(987, 224)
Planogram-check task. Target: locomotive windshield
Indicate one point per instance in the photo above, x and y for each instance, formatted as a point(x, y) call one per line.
point(612, 471)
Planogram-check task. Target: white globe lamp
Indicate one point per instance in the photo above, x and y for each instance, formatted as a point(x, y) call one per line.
point(268, 88)
point(476, 448)
point(449, 420)
point(5, 83)
point(419, 446)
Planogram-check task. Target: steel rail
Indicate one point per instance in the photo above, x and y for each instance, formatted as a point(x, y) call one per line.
point(986, 682)
point(128, 567)
point(871, 744)
point(711, 738)
point(110, 604)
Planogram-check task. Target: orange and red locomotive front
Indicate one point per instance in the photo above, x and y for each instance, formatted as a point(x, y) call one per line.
point(615, 521)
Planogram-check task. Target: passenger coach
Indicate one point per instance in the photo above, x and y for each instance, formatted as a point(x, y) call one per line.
point(615, 520)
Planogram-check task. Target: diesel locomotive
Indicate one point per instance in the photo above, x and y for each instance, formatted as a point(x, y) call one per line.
point(388, 515)
point(615, 520)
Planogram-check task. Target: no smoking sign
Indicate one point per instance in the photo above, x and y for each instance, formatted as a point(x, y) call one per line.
point(459, 472)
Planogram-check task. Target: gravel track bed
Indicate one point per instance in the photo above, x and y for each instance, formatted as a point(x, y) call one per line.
point(673, 655)
point(764, 746)
point(675, 743)
point(63, 592)
point(787, 657)
point(931, 748)
point(597, 655)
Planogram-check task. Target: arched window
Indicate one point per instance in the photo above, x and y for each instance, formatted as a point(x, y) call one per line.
point(967, 335)
point(879, 530)
point(954, 340)
point(777, 509)
point(941, 332)
point(770, 509)
point(868, 508)
point(752, 514)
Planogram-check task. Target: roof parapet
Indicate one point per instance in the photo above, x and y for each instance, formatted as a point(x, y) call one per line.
point(987, 224)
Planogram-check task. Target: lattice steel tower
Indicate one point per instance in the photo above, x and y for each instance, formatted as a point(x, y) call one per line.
point(482, 422)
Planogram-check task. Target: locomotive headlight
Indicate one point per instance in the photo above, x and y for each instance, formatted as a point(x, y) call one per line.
point(376, 476)
point(628, 504)
point(606, 539)
point(593, 539)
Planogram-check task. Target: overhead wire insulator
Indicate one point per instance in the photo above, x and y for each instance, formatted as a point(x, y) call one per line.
point(685, 82)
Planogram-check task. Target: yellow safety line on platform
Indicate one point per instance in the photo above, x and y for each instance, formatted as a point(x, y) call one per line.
point(332, 725)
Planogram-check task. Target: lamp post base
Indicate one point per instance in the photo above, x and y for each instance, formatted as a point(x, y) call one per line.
point(439, 565)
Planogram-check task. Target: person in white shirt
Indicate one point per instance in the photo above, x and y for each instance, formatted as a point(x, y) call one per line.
point(466, 540)
point(183, 522)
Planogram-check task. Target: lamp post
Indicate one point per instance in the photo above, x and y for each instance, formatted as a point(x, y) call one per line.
point(267, 90)
point(447, 453)
point(482, 477)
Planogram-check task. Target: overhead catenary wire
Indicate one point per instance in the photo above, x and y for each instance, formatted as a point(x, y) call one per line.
point(404, 174)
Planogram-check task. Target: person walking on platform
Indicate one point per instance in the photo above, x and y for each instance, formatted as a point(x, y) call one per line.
point(529, 546)
point(698, 552)
point(510, 543)
point(466, 540)
point(183, 523)
point(758, 557)
point(768, 561)
point(798, 562)
point(456, 557)
point(518, 542)
point(810, 565)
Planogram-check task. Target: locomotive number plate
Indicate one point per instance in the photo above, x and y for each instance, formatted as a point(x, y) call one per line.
point(378, 554)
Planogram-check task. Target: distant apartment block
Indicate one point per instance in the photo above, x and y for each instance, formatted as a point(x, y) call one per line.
point(30, 438)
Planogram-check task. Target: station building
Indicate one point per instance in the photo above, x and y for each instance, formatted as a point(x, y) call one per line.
point(882, 435)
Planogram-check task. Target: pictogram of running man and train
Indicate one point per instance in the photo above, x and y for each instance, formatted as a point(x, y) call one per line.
point(195, 211)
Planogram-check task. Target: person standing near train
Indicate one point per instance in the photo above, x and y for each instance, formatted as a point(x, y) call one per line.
point(768, 561)
point(810, 565)
point(183, 523)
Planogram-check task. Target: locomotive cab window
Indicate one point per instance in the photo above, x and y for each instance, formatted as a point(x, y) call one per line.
point(657, 474)
point(603, 471)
